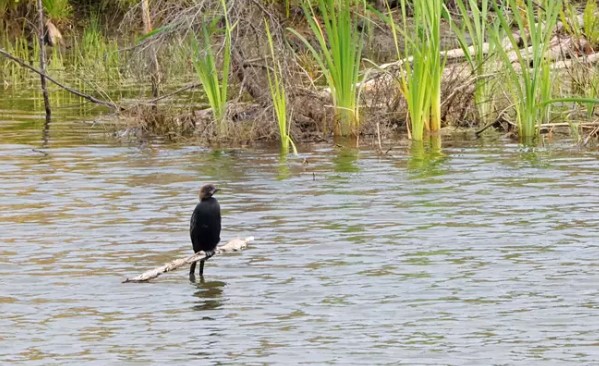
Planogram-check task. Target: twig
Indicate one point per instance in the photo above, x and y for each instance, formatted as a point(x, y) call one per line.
point(152, 54)
point(567, 124)
point(59, 84)
point(192, 86)
point(378, 134)
point(232, 246)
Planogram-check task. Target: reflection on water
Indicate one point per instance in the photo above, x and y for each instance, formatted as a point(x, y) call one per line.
point(427, 157)
point(209, 294)
point(284, 171)
point(467, 255)
point(345, 159)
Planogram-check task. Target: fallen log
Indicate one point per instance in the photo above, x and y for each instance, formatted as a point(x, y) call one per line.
point(233, 245)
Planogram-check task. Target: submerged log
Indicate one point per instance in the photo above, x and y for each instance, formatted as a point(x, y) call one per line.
point(233, 245)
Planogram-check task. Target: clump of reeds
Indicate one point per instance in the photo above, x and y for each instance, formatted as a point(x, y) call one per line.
point(529, 76)
point(20, 48)
point(474, 26)
point(57, 10)
point(339, 56)
point(278, 94)
point(421, 68)
point(214, 83)
point(95, 55)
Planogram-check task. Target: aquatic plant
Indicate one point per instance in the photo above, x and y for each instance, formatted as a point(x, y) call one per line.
point(55, 60)
point(428, 14)
point(279, 96)
point(421, 66)
point(474, 23)
point(529, 77)
point(215, 84)
point(95, 55)
point(20, 48)
point(588, 28)
point(591, 22)
point(58, 10)
point(339, 56)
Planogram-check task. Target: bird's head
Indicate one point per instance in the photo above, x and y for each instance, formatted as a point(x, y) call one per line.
point(207, 191)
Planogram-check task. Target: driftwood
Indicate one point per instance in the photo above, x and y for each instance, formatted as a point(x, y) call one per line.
point(459, 54)
point(560, 48)
point(563, 53)
point(232, 246)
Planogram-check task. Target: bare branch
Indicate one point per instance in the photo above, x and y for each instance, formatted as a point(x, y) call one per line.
point(232, 246)
point(59, 84)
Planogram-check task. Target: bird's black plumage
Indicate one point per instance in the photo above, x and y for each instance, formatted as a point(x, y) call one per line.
point(204, 227)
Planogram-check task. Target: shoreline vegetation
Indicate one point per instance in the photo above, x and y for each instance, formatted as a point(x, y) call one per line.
point(231, 71)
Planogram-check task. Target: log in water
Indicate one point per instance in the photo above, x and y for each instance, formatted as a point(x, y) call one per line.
point(232, 246)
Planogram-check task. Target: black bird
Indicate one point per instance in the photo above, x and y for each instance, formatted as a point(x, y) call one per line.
point(204, 227)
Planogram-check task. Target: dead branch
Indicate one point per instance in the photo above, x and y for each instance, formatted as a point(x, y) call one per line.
point(232, 246)
point(152, 53)
point(59, 84)
point(41, 36)
point(180, 90)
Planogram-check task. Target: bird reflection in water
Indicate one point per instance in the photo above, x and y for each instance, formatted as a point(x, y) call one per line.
point(209, 294)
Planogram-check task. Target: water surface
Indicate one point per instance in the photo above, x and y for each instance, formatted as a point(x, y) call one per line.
point(484, 254)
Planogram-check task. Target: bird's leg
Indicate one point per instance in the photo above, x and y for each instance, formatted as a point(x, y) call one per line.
point(209, 254)
point(202, 268)
point(192, 268)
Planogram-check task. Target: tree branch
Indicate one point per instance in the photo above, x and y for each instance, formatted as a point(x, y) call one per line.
point(59, 84)
point(232, 246)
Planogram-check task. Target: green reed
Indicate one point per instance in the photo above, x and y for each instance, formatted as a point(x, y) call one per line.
point(278, 94)
point(215, 84)
point(94, 55)
point(57, 10)
point(422, 66)
point(584, 79)
point(588, 28)
point(474, 24)
point(591, 22)
point(429, 14)
point(21, 48)
point(339, 56)
point(529, 76)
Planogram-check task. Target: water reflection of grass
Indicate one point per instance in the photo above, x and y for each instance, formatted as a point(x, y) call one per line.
point(345, 160)
point(283, 171)
point(426, 157)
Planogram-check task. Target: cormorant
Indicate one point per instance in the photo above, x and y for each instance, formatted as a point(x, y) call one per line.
point(204, 227)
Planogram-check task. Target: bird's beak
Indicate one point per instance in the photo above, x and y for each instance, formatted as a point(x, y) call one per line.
point(214, 191)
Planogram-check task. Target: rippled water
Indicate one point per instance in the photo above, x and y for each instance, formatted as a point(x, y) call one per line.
point(484, 255)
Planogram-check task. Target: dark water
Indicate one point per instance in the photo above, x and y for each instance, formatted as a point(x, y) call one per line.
point(484, 254)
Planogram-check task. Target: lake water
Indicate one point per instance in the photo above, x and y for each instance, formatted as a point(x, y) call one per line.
point(482, 254)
